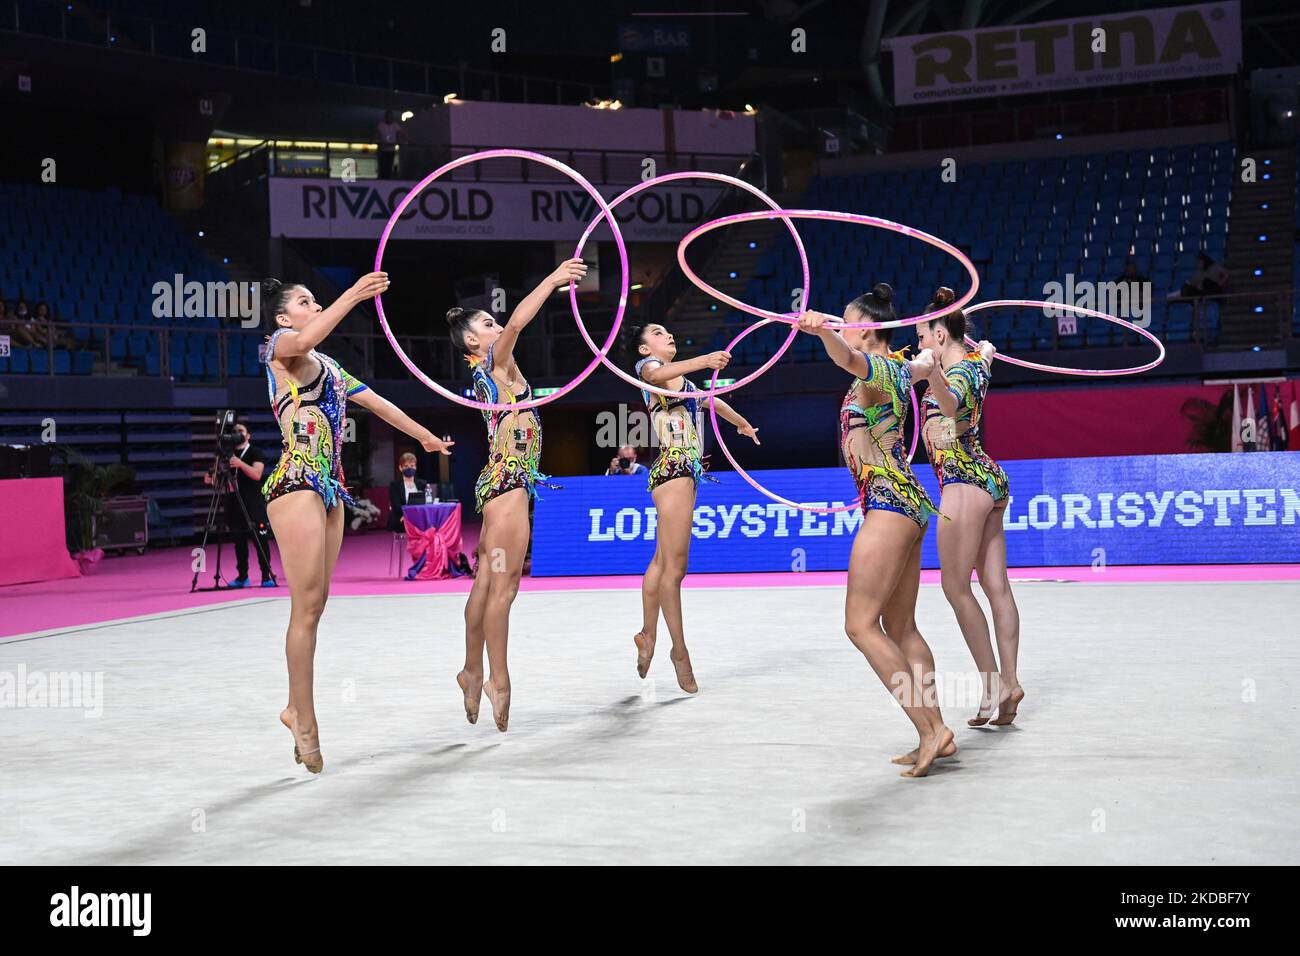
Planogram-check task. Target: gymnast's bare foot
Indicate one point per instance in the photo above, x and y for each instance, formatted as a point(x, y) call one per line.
point(500, 699)
point(645, 650)
point(472, 687)
point(306, 743)
point(989, 703)
point(908, 759)
point(1007, 709)
point(928, 751)
point(685, 675)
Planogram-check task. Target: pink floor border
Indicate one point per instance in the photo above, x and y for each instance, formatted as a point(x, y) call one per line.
point(158, 583)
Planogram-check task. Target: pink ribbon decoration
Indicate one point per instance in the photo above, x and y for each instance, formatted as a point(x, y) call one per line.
point(437, 545)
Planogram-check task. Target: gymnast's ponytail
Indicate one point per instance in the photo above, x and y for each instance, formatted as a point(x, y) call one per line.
point(954, 321)
point(275, 296)
point(461, 320)
point(878, 306)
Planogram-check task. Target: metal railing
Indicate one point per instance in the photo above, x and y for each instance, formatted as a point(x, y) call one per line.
point(674, 283)
point(149, 36)
point(604, 166)
point(551, 349)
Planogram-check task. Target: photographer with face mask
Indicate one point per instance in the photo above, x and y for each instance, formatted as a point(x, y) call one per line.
point(246, 470)
point(625, 463)
point(405, 488)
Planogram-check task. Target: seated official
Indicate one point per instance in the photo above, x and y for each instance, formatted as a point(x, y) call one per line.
point(625, 463)
point(406, 487)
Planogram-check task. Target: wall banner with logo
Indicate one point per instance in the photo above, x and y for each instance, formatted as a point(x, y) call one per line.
point(334, 209)
point(1173, 43)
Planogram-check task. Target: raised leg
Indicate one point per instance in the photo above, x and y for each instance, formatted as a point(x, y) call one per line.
point(675, 503)
point(302, 527)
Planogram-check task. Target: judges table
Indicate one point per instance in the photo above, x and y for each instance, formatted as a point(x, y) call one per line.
point(32, 542)
point(433, 539)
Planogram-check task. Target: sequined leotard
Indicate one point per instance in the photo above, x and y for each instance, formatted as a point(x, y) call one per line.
point(871, 437)
point(676, 424)
point(514, 440)
point(954, 443)
point(311, 421)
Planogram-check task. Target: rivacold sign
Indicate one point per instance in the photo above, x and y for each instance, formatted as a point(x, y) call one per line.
point(1104, 50)
point(329, 208)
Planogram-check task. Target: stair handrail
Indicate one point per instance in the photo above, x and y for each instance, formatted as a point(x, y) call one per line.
point(666, 292)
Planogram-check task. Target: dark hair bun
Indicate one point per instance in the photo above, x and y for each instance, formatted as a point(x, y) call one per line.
point(943, 296)
point(456, 314)
point(883, 291)
point(270, 287)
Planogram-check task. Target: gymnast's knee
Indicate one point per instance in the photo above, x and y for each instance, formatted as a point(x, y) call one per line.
point(900, 628)
point(672, 570)
point(956, 587)
point(996, 588)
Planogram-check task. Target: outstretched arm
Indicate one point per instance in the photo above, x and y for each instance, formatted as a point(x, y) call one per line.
point(660, 375)
point(368, 399)
point(569, 271)
point(849, 359)
point(742, 424)
point(293, 344)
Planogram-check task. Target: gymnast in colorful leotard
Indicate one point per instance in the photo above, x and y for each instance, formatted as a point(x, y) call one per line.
point(676, 472)
point(885, 562)
point(975, 496)
point(305, 492)
point(502, 493)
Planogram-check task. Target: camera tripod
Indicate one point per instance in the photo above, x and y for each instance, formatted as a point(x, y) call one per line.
point(223, 476)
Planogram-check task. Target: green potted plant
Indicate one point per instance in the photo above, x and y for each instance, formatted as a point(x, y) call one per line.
point(85, 487)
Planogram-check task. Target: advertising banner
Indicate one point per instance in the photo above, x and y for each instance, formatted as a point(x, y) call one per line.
point(1172, 43)
point(1072, 512)
point(334, 209)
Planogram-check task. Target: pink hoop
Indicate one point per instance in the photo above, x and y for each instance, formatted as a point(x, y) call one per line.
point(1078, 310)
point(717, 435)
point(836, 217)
point(606, 213)
point(666, 178)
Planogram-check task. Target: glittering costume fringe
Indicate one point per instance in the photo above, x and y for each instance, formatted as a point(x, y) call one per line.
point(507, 473)
point(966, 468)
point(674, 462)
point(280, 483)
point(901, 493)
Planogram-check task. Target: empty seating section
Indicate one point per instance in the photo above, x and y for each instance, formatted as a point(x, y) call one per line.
point(168, 451)
point(1025, 224)
point(95, 257)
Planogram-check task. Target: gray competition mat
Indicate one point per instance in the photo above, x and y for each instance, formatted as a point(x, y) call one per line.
point(1158, 727)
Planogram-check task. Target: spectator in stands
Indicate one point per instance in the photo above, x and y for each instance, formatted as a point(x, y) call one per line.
point(247, 466)
point(1130, 274)
point(1210, 278)
point(390, 133)
point(52, 328)
point(625, 463)
point(26, 332)
point(406, 488)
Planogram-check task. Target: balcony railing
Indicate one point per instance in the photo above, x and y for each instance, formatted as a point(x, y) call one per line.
point(604, 166)
point(553, 348)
